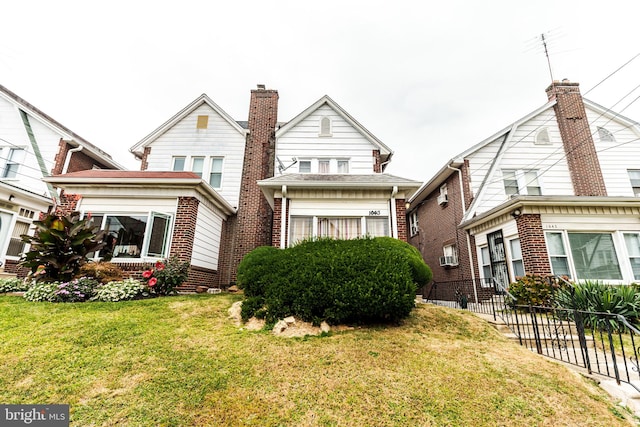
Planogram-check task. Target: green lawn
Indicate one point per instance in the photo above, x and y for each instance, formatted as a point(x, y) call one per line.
point(179, 361)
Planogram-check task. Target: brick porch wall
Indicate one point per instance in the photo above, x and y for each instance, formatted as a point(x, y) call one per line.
point(534, 250)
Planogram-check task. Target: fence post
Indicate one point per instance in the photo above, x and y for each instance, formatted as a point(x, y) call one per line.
point(536, 332)
point(577, 317)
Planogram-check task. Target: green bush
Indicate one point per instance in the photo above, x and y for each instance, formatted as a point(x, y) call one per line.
point(13, 285)
point(121, 290)
point(534, 290)
point(595, 296)
point(165, 276)
point(76, 290)
point(341, 281)
point(42, 291)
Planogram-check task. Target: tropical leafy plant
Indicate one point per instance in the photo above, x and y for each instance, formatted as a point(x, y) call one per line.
point(597, 297)
point(60, 246)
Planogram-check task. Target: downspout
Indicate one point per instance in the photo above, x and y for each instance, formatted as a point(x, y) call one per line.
point(65, 168)
point(467, 237)
point(283, 218)
point(38, 154)
point(394, 219)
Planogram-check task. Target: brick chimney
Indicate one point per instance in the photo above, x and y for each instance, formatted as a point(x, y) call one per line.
point(255, 217)
point(580, 151)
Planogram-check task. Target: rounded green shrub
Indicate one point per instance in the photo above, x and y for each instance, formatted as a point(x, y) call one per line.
point(340, 281)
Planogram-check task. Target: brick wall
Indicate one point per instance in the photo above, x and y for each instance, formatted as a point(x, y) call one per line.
point(401, 218)
point(277, 222)
point(254, 218)
point(227, 250)
point(438, 226)
point(377, 164)
point(582, 159)
point(144, 164)
point(534, 250)
point(68, 203)
point(185, 228)
point(79, 160)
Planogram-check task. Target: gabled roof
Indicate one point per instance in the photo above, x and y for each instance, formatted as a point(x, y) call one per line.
point(385, 152)
point(71, 137)
point(138, 148)
point(377, 181)
point(98, 178)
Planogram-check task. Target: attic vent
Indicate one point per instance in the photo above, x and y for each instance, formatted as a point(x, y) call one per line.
point(542, 138)
point(203, 122)
point(605, 135)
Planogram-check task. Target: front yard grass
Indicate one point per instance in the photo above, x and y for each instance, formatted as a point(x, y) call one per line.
point(179, 361)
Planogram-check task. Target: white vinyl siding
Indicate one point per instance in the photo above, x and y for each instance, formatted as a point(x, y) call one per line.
point(304, 142)
point(206, 243)
point(219, 139)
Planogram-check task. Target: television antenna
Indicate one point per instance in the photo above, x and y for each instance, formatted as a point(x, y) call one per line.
point(282, 167)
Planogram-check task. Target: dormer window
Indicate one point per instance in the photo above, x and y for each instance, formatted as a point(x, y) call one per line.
point(325, 126)
point(542, 137)
point(605, 135)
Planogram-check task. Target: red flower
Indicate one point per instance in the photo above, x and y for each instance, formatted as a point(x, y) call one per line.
point(159, 266)
point(147, 274)
point(152, 282)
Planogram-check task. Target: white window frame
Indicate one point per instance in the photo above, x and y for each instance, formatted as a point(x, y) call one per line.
point(325, 126)
point(213, 172)
point(631, 256)
point(144, 250)
point(344, 163)
point(516, 261)
point(414, 228)
point(634, 180)
point(174, 161)
point(194, 169)
point(522, 181)
point(306, 163)
point(13, 160)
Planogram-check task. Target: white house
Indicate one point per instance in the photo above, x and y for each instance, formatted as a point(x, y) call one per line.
point(33, 146)
point(556, 192)
point(220, 188)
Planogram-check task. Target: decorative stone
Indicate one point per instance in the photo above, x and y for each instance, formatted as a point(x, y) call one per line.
point(202, 289)
point(289, 320)
point(324, 327)
point(233, 289)
point(280, 327)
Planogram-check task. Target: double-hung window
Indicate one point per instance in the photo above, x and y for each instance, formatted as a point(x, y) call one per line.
point(178, 163)
point(413, 223)
point(524, 182)
point(215, 176)
point(593, 255)
point(557, 254)
point(516, 258)
point(632, 241)
point(197, 165)
point(13, 160)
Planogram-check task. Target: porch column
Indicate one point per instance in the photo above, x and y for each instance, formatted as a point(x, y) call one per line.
point(534, 250)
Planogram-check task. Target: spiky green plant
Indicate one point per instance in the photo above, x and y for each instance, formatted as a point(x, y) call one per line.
point(60, 246)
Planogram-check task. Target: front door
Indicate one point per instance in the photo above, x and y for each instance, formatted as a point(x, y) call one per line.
point(498, 258)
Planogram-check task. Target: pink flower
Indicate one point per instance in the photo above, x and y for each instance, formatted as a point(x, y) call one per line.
point(159, 266)
point(152, 282)
point(147, 274)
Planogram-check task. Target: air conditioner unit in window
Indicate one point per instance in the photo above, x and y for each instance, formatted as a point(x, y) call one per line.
point(448, 261)
point(414, 230)
point(442, 199)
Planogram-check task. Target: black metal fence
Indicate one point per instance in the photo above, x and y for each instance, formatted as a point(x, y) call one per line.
point(602, 343)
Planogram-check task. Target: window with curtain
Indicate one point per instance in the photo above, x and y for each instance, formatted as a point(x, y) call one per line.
point(300, 228)
point(377, 226)
point(339, 228)
point(632, 240)
point(324, 166)
point(343, 166)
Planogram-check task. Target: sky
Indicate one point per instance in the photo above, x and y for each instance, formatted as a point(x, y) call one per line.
point(428, 78)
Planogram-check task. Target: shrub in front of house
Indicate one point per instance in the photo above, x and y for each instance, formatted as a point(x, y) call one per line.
point(339, 281)
point(13, 284)
point(122, 290)
point(42, 291)
point(166, 275)
point(534, 290)
point(76, 290)
point(102, 271)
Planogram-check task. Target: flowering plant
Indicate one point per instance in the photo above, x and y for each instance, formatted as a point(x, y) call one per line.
point(165, 276)
point(76, 290)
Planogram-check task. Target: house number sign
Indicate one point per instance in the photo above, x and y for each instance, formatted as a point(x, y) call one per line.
point(374, 213)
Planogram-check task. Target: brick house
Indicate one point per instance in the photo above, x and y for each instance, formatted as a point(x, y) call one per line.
point(556, 192)
point(211, 188)
point(32, 146)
